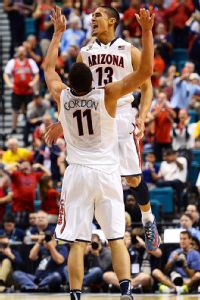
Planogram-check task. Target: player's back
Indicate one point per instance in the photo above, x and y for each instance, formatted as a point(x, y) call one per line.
point(109, 63)
point(90, 132)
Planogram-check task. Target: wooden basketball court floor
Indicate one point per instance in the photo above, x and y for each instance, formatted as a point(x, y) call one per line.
point(63, 296)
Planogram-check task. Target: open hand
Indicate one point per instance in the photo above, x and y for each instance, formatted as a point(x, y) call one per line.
point(52, 133)
point(58, 20)
point(145, 20)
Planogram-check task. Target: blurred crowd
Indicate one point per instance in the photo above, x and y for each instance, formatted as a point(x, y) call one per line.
point(31, 176)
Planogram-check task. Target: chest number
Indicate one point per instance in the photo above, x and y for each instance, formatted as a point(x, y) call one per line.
point(78, 115)
point(107, 73)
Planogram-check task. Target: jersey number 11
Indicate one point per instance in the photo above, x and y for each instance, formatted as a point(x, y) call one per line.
point(87, 113)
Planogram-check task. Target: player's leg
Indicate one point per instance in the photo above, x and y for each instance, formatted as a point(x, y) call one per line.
point(130, 167)
point(75, 219)
point(140, 191)
point(122, 266)
point(76, 269)
point(109, 212)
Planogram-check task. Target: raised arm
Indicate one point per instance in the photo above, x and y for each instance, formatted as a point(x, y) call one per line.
point(134, 80)
point(53, 80)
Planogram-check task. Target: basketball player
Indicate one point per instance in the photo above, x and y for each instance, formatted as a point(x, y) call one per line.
point(88, 119)
point(110, 59)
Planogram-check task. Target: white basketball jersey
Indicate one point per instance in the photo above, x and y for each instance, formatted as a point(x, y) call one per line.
point(89, 131)
point(109, 63)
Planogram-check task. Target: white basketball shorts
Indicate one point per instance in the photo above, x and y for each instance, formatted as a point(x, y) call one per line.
point(129, 151)
point(87, 192)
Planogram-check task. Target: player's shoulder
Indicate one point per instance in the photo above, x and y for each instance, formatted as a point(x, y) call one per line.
point(120, 45)
point(120, 41)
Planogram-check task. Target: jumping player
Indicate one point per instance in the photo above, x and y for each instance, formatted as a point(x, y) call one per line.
point(110, 59)
point(92, 182)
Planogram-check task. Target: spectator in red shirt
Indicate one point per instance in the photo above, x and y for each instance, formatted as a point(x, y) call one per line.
point(49, 197)
point(129, 19)
point(158, 68)
point(21, 75)
point(163, 116)
point(179, 12)
point(24, 182)
point(160, 14)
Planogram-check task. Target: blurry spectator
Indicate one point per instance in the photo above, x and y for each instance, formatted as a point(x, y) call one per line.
point(5, 197)
point(193, 211)
point(49, 274)
point(168, 79)
point(32, 227)
point(149, 168)
point(70, 57)
point(35, 112)
point(33, 49)
point(161, 41)
point(16, 10)
point(24, 181)
point(190, 67)
point(158, 69)
point(185, 87)
point(163, 115)
point(133, 209)
point(195, 101)
point(173, 172)
point(9, 229)
point(49, 199)
point(45, 26)
point(129, 20)
point(186, 223)
point(10, 259)
point(186, 263)
point(48, 156)
point(195, 244)
point(42, 226)
point(15, 153)
point(160, 12)
point(182, 133)
point(21, 75)
point(179, 12)
point(38, 134)
point(73, 35)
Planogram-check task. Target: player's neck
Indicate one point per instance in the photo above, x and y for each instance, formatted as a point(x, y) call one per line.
point(106, 39)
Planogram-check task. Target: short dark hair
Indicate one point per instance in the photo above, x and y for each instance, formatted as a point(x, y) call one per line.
point(112, 13)
point(169, 152)
point(80, 78)
point(187, 215)
point(9, 218)
point(186, 232)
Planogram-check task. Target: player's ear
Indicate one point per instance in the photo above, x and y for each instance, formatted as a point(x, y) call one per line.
point(112, 21)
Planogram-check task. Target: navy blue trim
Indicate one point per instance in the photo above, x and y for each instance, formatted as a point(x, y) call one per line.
point(78, 240)
point(120, 238)
point(133, 175)
point(111, 43)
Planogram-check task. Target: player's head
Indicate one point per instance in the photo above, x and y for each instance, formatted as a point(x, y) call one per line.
point(104, 19)
point(80, 78)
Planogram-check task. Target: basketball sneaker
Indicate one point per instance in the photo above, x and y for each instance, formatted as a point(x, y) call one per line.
point(152, 239)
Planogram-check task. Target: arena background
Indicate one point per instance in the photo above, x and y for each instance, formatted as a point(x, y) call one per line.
point(172, 123)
